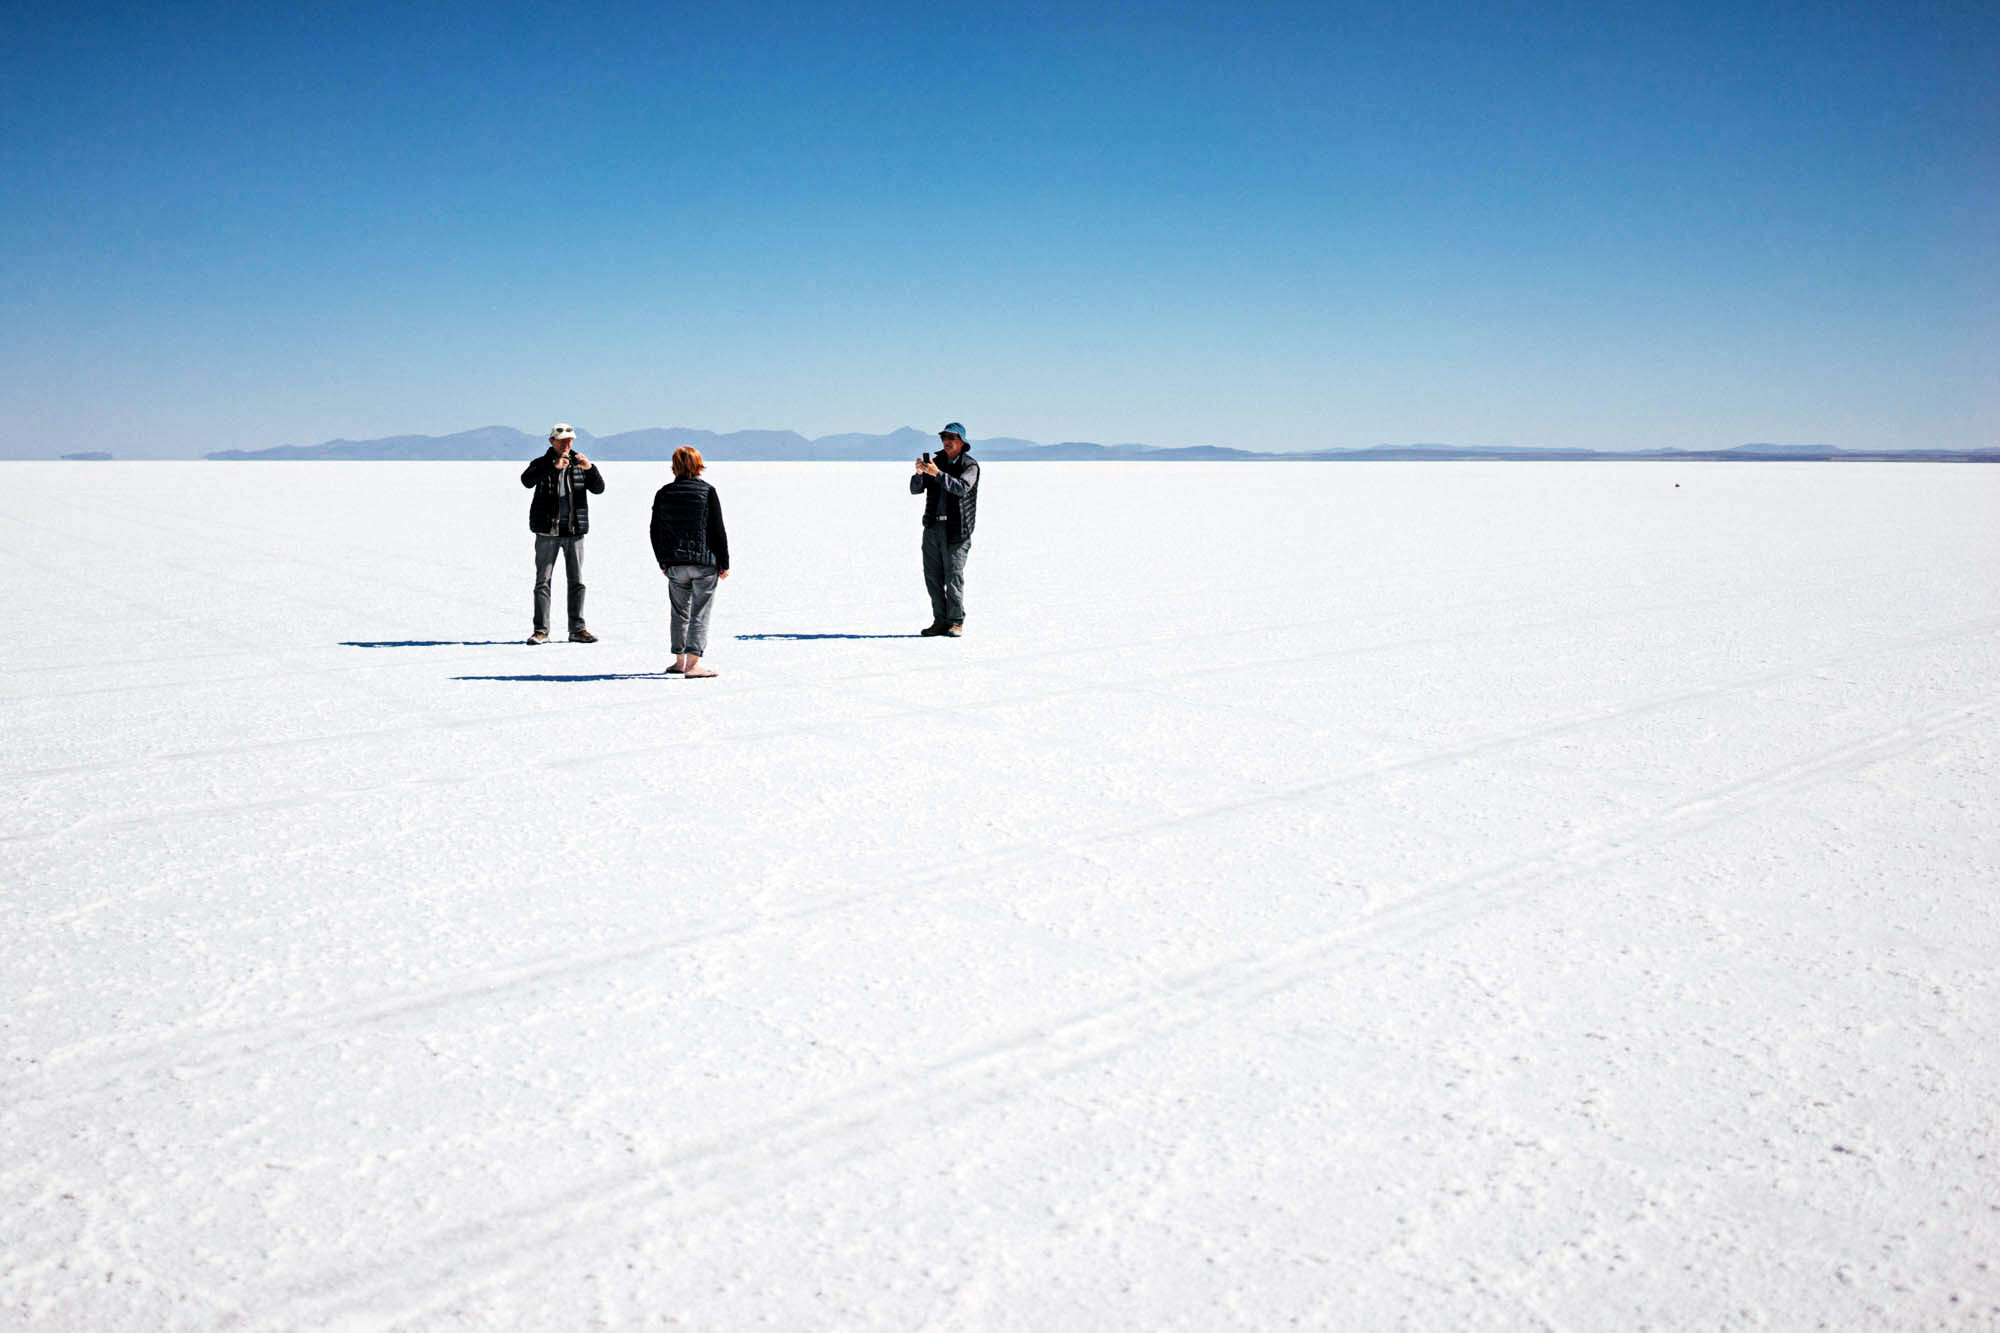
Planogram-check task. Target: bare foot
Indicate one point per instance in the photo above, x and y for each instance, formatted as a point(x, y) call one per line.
point(696, 671)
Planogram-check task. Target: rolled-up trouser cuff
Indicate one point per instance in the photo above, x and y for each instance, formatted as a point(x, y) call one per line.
point(690, 596)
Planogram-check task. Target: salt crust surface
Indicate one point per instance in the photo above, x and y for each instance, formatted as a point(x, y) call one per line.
point(1368, 896)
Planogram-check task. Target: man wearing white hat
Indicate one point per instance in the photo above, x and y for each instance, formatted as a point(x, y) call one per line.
point(563, 481)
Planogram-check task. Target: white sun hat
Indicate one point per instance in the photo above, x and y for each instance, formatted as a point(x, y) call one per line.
point(562, 431)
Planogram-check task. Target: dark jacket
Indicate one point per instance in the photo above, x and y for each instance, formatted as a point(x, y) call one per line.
point(687, 525)
point(550, 483)
point(952, 497)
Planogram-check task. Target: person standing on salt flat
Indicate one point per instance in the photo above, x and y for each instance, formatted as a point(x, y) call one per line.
point(559, 514)
point(949, 483)
point(692, 547)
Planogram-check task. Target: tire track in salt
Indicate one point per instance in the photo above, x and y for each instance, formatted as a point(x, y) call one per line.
point(254, 1042)
point(458, 1262)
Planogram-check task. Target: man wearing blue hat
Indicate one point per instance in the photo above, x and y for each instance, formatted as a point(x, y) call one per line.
point(949, 483)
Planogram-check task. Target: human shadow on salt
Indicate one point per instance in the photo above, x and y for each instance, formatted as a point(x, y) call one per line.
point(426, 643)
point(576, 680)
point(829, 636)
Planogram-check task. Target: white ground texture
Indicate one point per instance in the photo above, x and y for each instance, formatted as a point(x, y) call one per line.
point(1432, 896)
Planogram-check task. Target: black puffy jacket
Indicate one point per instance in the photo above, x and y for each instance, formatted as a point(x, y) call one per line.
point(687, 525)
point(955, 493)
point(548, 480)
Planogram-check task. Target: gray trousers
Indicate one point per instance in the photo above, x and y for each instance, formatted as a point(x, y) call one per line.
point(690, 593)
point(944, 575)
point(545, 568)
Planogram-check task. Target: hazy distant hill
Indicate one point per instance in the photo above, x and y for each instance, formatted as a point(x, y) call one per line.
point(658, 443)
point(486, 442)
point(498, 442)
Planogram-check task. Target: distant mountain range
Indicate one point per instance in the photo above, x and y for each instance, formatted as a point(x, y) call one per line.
point(659, 443)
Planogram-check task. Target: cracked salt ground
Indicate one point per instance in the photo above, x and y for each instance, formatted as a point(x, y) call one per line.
point(1408, 895)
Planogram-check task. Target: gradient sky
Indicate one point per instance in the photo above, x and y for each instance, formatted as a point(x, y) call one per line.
point(1287, 226)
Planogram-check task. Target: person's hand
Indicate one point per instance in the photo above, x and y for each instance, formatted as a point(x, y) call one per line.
point(928, 469)
point(663, 572)
point(562, 460)
point(722, 573)
point(582, 462)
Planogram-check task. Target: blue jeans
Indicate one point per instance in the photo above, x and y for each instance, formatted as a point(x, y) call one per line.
point(690, 593)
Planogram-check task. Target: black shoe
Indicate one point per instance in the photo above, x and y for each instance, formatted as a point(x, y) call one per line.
point(582, 636)
point(539, 636)
point(932, 631)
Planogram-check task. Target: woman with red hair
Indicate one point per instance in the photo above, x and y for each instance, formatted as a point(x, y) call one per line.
point(692, 547)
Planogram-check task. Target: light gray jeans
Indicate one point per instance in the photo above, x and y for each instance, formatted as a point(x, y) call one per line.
point(690, 593)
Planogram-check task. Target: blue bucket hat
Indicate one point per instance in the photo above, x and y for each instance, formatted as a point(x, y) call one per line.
point(953, 428)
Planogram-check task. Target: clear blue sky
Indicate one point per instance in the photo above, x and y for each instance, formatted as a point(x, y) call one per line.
point(1286, 226)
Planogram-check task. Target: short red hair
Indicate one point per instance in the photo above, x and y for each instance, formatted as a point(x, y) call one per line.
point(687, 462)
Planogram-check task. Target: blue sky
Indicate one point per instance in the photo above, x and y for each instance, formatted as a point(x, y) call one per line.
point(1610, 226)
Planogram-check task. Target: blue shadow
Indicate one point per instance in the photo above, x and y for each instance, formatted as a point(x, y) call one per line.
point(430, 643)
point(572, 680)
point(829, 636)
